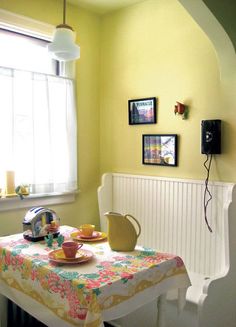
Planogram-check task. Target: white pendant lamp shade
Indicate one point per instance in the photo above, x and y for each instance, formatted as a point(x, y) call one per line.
point(63, 47)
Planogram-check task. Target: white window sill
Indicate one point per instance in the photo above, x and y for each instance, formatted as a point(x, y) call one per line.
point(14, 203)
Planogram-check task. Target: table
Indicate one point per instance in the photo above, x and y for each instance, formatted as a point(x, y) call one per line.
point(109, 286)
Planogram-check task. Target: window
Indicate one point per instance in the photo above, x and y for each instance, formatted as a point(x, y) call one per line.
point(37, 117)
point(22, 51)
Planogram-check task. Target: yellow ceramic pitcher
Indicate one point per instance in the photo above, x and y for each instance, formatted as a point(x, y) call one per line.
point(122, 235)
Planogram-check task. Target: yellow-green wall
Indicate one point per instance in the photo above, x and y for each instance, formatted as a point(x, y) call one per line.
point(156, 49)
point(150, 49)
point(87, 26)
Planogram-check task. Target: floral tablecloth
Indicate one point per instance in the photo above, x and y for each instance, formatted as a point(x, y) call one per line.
point(79, 294)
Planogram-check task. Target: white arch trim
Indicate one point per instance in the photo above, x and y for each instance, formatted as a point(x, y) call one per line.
point(217, 35)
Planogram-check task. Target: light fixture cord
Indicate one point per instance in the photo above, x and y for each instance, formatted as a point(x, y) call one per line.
point(64, 12)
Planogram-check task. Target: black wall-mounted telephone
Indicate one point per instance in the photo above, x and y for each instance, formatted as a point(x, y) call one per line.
point(210, 144)
point(211, 136)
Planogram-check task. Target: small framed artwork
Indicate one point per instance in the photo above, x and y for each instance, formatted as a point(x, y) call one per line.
point(160, 149)
point(142, 111)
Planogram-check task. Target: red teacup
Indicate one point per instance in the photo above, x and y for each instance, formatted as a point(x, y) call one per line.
point(70, 248)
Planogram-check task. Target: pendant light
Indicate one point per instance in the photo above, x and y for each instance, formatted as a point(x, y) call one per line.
point(63, 47)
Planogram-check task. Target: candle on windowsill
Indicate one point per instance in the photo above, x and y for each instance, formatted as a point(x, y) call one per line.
point(10, 182)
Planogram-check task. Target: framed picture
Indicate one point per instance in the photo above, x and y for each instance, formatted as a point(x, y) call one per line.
point(142, 111)
point(160, 149)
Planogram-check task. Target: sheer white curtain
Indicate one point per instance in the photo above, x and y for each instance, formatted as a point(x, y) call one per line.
point(38, 130)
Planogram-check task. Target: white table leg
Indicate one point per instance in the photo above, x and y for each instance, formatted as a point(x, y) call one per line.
point(161, 308)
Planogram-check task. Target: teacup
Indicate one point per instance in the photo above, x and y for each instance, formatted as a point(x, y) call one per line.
point(70, 248)
point(87, 229)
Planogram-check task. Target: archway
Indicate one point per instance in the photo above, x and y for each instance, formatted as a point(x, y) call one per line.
point(217, 35)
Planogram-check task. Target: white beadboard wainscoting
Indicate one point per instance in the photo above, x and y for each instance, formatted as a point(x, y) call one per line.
point(171, 214)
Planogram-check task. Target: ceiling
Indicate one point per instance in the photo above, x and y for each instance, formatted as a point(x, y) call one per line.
point(103, 6)
point(224, 11)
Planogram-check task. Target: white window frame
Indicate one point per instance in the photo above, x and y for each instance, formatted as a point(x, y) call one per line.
point(42, 30)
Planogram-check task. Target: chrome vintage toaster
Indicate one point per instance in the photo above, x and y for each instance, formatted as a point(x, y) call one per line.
point(39, 222)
